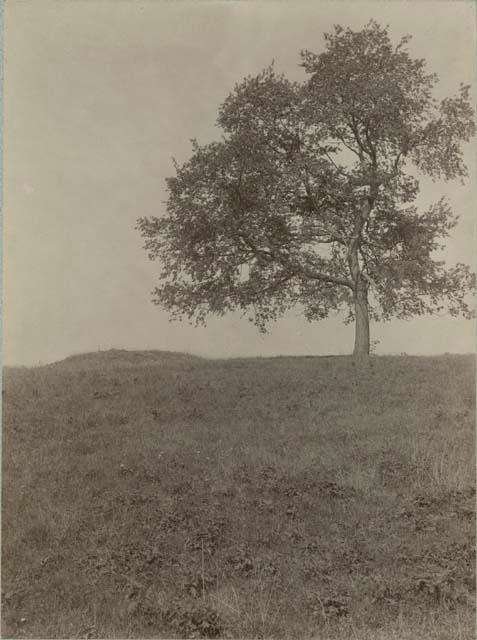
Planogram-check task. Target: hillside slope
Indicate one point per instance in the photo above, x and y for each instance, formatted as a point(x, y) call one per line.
point(114, 358)
point(147, 495)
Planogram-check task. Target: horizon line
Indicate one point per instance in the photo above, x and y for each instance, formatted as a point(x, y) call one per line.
point(75, 354)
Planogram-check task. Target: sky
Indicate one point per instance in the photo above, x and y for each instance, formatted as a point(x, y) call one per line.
point(99, 96)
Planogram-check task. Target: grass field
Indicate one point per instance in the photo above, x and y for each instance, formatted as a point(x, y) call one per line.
point(152, 494)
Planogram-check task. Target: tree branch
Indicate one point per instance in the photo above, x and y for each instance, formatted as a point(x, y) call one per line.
point(325, 277)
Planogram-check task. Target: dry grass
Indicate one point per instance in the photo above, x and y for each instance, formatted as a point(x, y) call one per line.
point(161, 495)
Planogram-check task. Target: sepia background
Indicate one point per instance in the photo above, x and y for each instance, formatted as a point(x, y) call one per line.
point(98, 98)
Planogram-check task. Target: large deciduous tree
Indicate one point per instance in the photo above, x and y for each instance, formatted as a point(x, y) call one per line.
point(309, 199)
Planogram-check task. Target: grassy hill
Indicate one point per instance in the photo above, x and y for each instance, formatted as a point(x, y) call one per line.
point(161, 495)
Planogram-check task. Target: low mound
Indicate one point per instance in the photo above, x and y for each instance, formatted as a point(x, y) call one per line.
point(124, 358)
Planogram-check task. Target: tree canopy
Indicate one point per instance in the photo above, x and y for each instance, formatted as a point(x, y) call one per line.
point(309, 198)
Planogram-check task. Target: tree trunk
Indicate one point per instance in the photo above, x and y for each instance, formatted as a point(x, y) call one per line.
point(361, 338)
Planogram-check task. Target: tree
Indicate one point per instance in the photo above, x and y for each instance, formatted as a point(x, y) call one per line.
point(308, 199)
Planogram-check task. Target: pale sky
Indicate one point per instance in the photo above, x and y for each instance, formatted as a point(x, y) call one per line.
point(100, 95)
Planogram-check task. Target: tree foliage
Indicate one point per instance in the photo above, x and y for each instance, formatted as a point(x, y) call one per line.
point(310, 197)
